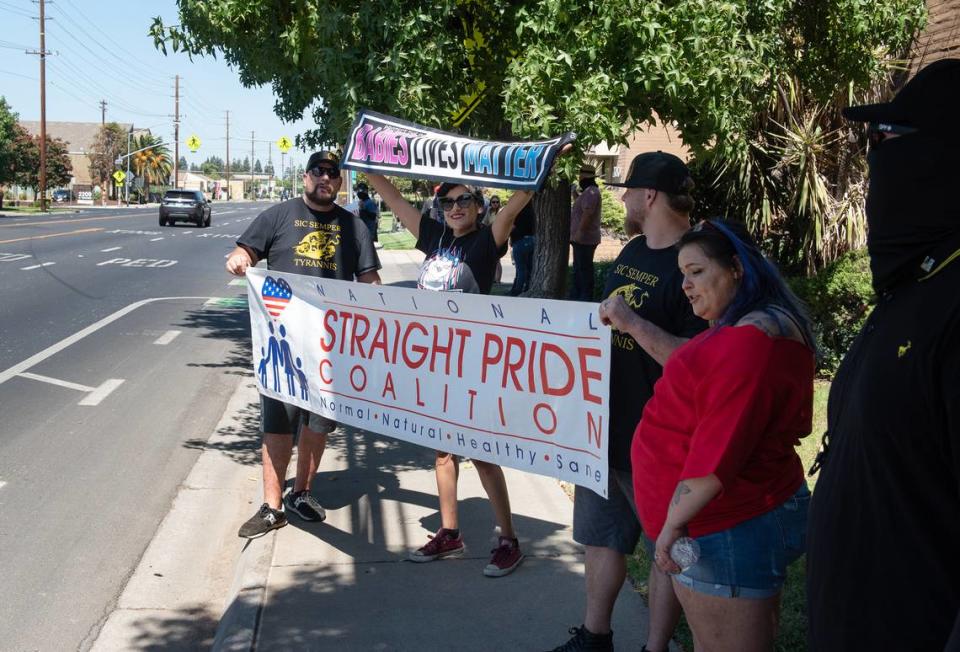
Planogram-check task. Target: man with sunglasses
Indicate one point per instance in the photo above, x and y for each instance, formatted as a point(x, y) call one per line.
point(308, 235)
point(883, 547)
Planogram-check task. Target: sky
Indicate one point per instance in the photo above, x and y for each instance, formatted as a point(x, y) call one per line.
point(101, 51)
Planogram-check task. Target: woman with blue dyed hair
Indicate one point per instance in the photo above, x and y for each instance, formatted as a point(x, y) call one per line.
point(713, 456)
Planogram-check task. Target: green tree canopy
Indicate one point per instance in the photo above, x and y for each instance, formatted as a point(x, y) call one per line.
point(543, 67)
point(108, 145)
point(59, 169)
point(10, 133)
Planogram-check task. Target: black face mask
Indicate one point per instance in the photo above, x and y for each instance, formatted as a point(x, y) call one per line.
point(909, 210)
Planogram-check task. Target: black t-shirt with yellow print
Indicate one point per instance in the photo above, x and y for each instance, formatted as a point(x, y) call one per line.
point(651, 283)
point(328, 244)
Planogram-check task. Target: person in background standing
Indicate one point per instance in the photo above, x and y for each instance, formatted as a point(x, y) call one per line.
point(523, 242)
point(368, 210)
point(585, 234)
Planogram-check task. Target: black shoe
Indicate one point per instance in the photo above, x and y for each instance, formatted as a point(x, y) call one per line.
point(584, 639)
point(304, 505)
point(263, 521)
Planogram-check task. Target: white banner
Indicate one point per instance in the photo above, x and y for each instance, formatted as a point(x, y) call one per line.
point(387, 145)
point(515, 381)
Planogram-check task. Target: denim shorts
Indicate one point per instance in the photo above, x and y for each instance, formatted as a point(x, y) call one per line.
point(282, 418)
point(750, 559)
point(607, 522)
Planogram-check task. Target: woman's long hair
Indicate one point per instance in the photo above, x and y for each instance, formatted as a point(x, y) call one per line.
point(761, 285)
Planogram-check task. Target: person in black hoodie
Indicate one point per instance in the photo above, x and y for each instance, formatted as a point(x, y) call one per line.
point(883, 554)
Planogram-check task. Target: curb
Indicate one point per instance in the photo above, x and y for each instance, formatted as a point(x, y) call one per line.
point(237, 630)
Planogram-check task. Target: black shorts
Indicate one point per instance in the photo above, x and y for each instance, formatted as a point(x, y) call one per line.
point(281, 418)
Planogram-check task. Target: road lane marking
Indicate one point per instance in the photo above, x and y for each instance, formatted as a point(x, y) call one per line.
point(166, 338)
point(10, 258)
point(53, 349)
point(50, 235)
point(238, 281)
point(102, 392)
point(155, 239)
point(2, 484)
point(109, 249)
point(57, 382)
point(79, 219)
point(47, 264)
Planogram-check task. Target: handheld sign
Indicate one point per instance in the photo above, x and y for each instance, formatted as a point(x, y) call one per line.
point(384, 145)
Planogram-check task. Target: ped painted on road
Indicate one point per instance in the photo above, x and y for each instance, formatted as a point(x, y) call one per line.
point(139, 262)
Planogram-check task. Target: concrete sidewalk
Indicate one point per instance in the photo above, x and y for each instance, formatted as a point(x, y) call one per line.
point(346, 583)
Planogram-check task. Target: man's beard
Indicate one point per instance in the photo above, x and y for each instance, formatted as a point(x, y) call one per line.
point(633, 225)
point(318, 199)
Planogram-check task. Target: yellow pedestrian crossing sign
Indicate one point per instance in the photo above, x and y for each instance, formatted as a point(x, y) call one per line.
point(119, 176)
point(193, 143)
point(284, 144)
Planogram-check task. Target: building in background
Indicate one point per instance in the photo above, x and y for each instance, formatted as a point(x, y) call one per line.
point(612, 162)
point(941, 37)
point(79, 137)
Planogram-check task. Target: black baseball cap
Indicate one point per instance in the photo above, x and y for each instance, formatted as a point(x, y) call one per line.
point(657, 171)
point(323, 156)
point(928, 102)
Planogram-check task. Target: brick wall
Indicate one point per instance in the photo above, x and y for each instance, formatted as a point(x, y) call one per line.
point(941, 38)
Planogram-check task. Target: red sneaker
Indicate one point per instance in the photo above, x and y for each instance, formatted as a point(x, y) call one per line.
point(506, 557)
point(442, 544)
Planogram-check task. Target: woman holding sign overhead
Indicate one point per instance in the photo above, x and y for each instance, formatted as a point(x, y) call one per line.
point(461, 256)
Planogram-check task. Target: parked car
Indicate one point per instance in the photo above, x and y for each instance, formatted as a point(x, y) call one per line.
point(186, 206)
point(61, 196)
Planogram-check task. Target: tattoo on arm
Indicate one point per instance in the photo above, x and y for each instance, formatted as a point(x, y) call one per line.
point(682, 489)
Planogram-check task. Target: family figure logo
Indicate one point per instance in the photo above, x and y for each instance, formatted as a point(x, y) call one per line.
point(276, 294)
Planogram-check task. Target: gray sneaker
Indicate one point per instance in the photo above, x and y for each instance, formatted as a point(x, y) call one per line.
point(304, 505)
point(263, 521)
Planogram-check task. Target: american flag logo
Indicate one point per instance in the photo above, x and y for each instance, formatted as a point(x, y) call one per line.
point(276, 294)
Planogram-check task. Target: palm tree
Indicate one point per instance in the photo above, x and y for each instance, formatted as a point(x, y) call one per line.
point(153, 164)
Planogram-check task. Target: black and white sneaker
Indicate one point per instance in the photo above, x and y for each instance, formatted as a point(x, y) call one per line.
point(304, 505)
point(263, 521)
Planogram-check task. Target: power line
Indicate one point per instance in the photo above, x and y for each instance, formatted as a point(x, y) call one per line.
point(99, 89)
point(14, 9)
point(104, 63)
point(110, 51)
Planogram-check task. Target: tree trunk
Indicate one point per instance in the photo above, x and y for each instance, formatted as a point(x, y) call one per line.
point(551, 256)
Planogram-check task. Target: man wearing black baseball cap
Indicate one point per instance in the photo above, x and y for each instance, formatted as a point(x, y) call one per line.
point(883, 549)
point(308, 235)
point(650, 317)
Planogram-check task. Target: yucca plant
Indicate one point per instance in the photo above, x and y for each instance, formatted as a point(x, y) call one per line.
point(798, 183)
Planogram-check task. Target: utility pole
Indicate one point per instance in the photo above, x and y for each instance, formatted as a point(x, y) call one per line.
point(103, 112)
point(270, 163)
point(252, 192)
point(176, 132)
point(227, 162)
point(43, 111)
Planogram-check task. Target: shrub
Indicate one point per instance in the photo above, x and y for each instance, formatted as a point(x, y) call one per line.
point(612, 212)
point(840, 298)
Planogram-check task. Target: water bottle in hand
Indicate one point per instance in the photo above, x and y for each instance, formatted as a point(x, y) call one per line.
point(685, 552)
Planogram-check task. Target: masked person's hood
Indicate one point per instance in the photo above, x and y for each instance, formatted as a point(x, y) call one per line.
point(912, 207)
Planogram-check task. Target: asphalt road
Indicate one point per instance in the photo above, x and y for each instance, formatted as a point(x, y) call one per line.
point(120, 343)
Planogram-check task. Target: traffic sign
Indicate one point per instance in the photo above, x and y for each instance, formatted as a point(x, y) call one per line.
point(119, 176)
point(193, 143)
point(284, 144)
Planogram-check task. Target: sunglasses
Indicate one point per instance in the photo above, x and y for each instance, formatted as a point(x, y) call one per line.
point(494, 202)
point(463, 201)
point(317, 172)
point(877, 132)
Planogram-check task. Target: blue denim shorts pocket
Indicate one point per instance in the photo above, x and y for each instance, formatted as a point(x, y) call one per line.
point(791, 518)
point(750, 559)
